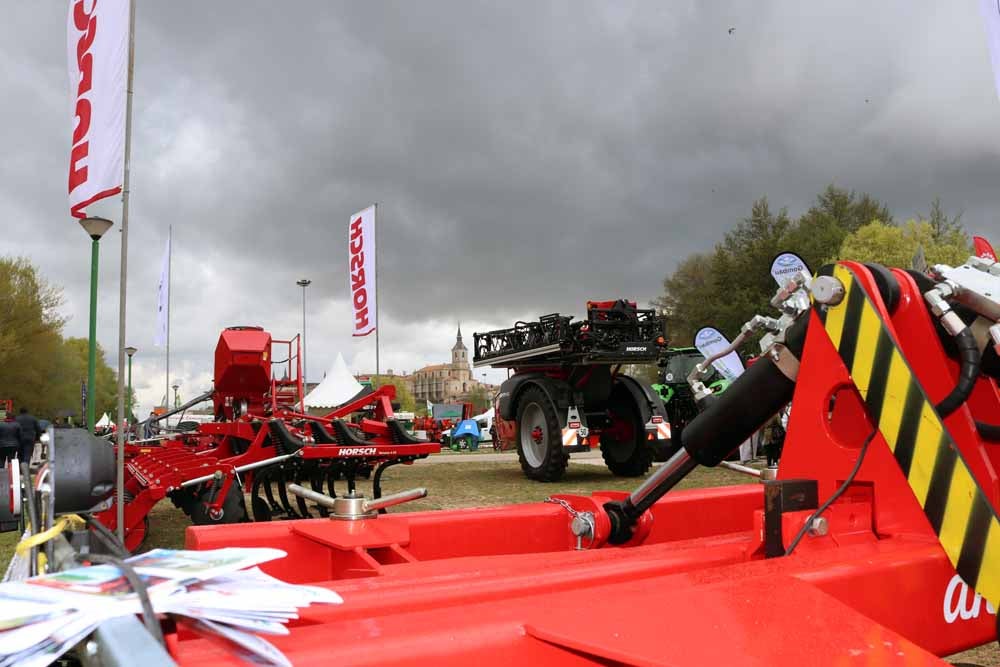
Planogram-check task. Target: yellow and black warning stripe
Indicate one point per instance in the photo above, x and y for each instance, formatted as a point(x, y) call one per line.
point(955, 504)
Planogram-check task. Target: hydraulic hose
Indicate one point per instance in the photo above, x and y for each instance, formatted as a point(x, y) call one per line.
point(989, 432)
point(728, 419)
point(968, 353)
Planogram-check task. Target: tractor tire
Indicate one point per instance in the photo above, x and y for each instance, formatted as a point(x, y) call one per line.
point(623, 441)
point(234, 509)
point(539, 438)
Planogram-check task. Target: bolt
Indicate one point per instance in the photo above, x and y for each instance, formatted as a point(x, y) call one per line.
point(819, 527)
point(827, 290)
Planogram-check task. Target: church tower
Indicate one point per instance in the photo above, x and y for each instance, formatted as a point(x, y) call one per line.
point(460, 355)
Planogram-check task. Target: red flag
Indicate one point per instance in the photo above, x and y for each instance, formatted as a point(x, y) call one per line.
point(983, 248)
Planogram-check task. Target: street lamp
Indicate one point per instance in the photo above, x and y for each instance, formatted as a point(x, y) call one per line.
point(130, 351)
point(95, 228)
point(304, 283)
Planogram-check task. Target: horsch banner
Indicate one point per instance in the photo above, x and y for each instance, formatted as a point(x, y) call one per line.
point(361, 248)
point(97, 41)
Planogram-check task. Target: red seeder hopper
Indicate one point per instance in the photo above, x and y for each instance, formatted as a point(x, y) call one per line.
point(260, 441)
point(878, 543)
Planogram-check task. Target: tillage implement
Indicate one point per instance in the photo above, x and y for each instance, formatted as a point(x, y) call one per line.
point(260, 440)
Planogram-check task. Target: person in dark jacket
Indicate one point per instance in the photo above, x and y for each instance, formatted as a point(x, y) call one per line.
point(10, 439)
point(31, 430)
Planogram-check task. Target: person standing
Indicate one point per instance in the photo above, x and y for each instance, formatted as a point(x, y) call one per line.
point(31, 430)
point(10, 439)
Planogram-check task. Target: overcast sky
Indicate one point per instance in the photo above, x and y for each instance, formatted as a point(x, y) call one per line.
point(526, 156)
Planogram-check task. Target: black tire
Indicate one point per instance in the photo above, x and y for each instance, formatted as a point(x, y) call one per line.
point(234, 509)
point(542, 457)
point(623, 442)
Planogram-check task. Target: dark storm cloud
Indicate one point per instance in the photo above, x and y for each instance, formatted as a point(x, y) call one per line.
point(526, 156)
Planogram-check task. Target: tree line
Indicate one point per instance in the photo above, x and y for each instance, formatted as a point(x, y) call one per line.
point(726, 286)
point(39, 368)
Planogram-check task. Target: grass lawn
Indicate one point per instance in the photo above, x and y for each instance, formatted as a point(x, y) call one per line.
point(474, 483)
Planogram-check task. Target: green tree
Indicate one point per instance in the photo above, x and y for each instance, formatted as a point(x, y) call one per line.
point(687, 298)
point(728, 286)
point(836, 213)
point(403, 395)
point(479, 398)
point(896, 246)
point(71, 370)
point(30, 341)
point(946, 229)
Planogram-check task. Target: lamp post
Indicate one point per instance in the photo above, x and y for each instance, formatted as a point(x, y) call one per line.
point(304, 283)
point(95, 228)
point(130, 351)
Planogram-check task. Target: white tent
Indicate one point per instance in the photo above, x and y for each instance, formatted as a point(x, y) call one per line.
point(485, 422)
point(338, 387)
point(103, 422)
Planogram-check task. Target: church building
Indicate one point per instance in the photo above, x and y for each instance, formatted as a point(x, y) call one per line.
point(448, 383)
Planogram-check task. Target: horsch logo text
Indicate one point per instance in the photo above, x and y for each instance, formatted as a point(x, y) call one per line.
point(86, 22)
point(359, 285)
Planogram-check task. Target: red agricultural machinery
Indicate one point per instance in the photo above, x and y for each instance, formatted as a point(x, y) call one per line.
point(438, 426)
point(568, 394)
point(878, 543)
point(261, 440)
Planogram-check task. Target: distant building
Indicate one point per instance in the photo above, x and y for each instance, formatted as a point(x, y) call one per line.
point(447, 383)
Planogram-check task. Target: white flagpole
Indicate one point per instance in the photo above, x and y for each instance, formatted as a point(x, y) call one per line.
point(170, 259)
point(378, 320)
point(123, 280)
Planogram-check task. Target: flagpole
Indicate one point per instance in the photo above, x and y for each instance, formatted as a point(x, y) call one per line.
point(378, 321)
point(123, 283)
point(170, 260)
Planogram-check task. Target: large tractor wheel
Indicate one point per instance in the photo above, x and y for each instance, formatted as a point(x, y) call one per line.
point(234, 509)
point(539, 438)
point(623, 440)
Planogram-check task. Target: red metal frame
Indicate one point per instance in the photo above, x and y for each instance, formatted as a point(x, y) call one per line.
point(504, 585)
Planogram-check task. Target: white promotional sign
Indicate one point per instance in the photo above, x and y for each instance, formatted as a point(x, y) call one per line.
point(97, 50)
point(361, 265)
point(786, 265)
point(709, 342)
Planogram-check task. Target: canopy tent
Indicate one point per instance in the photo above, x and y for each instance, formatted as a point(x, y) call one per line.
point(337, 387)
point(103, 422)
point(486, 416)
